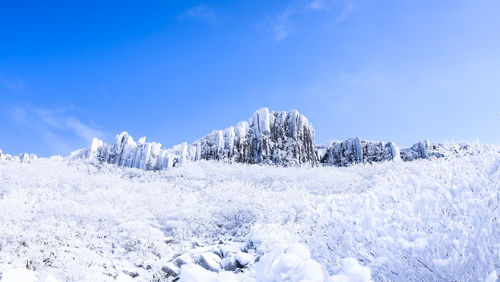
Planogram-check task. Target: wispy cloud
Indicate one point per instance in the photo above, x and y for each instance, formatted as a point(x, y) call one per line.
point(60, 120)
point(61, 131)
point(199, 12)
point(84, 131)
point(318, 5)
point(12, 83)
point(346, 12)
point(283, 23)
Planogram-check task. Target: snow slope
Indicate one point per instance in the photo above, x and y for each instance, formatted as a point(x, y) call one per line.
point(425, 220)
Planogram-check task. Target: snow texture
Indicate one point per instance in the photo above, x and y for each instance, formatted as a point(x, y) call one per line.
point(24, 158)
point(424, 220)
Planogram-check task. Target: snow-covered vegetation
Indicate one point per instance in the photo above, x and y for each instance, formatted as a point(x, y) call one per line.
point(425, 220)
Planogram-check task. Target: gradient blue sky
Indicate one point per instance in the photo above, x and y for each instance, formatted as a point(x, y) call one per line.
point(175, 70)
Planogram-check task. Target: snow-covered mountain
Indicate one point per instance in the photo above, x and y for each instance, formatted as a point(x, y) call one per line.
point(283, 138)
point(355, 150)
point(65, 219)
point(279, 138)
point(429, 215)
point(24, 158)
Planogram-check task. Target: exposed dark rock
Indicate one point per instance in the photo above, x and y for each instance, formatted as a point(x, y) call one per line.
point(170, 270)
point(227, 256)
point(132, 274)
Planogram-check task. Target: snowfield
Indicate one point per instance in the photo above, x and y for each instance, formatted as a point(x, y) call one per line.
point(425, 220)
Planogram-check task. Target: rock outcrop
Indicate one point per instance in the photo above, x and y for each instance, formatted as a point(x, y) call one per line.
point(279, 138)
point(225, 256)
point(23, 158)
point(283, 138)
point(423, 150)
point(355, 150)
point(141, 154)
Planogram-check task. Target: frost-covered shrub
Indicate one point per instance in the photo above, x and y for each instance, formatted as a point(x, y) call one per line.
point(436, 220)
point(422, 220)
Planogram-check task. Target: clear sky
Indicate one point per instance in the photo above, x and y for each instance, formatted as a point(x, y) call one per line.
point(173, 71)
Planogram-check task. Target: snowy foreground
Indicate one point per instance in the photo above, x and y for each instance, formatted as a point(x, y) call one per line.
point(430, 220)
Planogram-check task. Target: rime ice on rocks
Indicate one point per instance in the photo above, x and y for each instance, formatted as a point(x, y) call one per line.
point(141, 154)
point(284, 138)
point(280, 138)
point(355, 150)
point(23, 158)
point(422, 150)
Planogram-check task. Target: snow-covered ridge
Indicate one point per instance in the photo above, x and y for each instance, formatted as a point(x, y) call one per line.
point(280, 138)
point(141, 154)
point(24, 158)
point(283, 138)
point(395, 221)
point(355, 150)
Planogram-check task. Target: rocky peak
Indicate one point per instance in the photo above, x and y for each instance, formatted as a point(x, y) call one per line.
point(280, 138)
point(355, 150)
point(23, 158)
point(284, 138)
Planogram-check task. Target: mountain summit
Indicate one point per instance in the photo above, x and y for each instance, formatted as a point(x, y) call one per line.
point(279, 138)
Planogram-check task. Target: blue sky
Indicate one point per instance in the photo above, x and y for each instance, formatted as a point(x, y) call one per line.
point(173, 71)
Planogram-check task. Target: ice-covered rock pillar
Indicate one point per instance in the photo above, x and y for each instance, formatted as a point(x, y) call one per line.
point(395, 153)
point(141, 154)
point(94, 148)
point(262, 122)
point(355, 150)
point(283, 138)
point(420, 150)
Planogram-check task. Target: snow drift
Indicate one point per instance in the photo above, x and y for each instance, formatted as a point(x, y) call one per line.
point(111, 212)
point(426, 220)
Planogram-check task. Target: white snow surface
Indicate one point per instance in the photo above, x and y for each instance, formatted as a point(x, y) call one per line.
point(426, 220)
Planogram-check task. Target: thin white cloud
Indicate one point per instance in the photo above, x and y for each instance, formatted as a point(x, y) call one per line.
point(84, 131)
point(48, 117)
point(318, 5)
point(199, 12)
point(346, 12)
point(282, 25)
point(62, 131)
point(12, 83)
point(19, 115)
